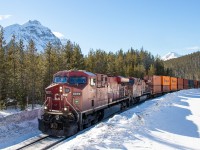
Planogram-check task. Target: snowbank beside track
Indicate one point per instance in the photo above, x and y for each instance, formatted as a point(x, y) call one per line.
point(19, 117)
point(18, 127)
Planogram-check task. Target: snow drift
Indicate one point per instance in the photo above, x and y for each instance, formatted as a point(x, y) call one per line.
point(171, 121)
point(167, 122)
point(18, 126)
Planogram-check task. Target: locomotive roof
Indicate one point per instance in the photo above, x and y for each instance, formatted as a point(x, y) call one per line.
point(90, 73)
point(64, 72)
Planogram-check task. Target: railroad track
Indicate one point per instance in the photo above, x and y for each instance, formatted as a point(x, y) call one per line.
point(42, 143)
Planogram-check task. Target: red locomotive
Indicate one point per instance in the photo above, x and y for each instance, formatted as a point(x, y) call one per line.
point(76, 99)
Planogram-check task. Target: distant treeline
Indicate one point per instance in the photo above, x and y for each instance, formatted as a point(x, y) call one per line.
point(187, 66)
point(24, 72)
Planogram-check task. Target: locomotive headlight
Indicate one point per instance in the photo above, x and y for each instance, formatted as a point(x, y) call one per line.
point(61, 89)
point(45, 107)
point(65, 109)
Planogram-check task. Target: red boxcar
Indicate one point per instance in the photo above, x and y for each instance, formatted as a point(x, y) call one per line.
point(198, 84)
point(195, 84)
point(180, 83)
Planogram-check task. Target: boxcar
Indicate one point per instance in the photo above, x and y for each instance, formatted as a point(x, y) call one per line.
point(165, 83)
point(180, 83)
point(195, 84)
point(190, 84)
point(154, 83)
point(173, 84)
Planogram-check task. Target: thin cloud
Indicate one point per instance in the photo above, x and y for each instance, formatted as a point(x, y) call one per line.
point(2, 17)
point(194, 48)
point(59, 35)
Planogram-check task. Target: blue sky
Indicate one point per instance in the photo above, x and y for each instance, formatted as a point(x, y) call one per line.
point(160, 26)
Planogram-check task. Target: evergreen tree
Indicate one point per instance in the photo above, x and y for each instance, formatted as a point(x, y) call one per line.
point(100, 61)
point(68, 52)
point(31, 71)
point(151, 70)
point(48, 63)
point(21, 96)
point(90, 61)
point(3, 77)
point(111, 67)
point(77, 60)
point(120, 63)
point(159, 67)
point(11, 61)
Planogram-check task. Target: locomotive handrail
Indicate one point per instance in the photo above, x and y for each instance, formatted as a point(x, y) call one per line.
point(48, 98)
point(73, 109)
point(44, 102)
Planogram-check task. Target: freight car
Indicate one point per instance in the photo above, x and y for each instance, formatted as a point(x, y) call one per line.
point(185, 84)
point(76, 99)
point(165, 84)
point(173, 84)
point(154, 84)
point(180, 83)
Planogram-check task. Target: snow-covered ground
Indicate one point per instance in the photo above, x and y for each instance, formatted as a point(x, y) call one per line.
point(16, 126)
point(168, 122)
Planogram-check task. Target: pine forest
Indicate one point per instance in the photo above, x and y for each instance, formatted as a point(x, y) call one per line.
point(25, 72)
point(185, 67)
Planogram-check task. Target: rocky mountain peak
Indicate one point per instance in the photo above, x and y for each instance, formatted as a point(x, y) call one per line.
point(34, 30)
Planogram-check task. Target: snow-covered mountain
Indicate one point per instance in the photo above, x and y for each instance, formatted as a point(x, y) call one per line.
point(34, 30)
point(170, 55)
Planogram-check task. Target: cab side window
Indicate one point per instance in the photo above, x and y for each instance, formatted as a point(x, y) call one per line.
point(92, 81)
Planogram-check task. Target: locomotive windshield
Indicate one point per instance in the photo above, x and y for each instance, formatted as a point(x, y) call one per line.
point(77, 80)
point(59, 79)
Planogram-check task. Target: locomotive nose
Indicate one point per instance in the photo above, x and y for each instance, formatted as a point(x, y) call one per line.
point(53, 97)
